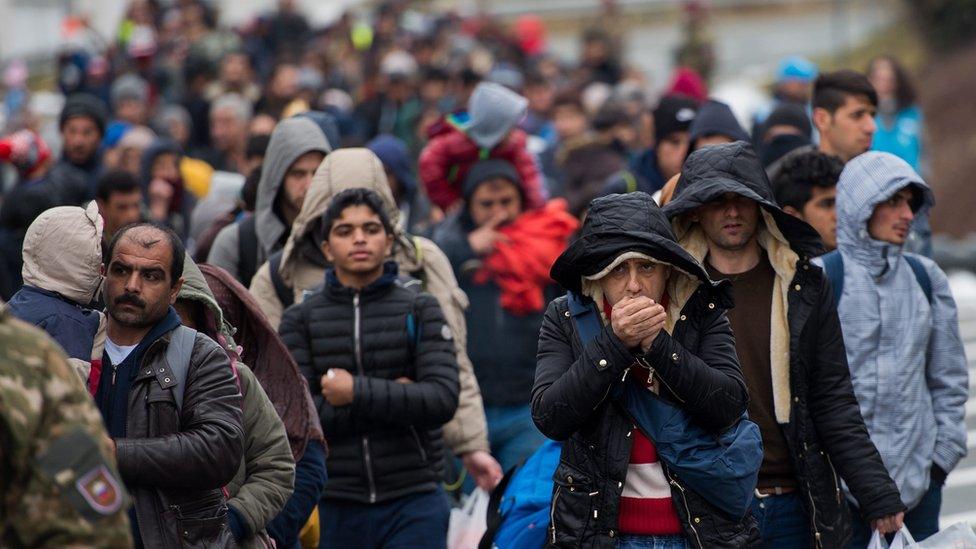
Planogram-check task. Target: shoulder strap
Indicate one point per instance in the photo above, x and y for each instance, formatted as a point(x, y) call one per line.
point(285, 294)
point(494, 519)
point(178, 356)
point(630, 180)
point(834, 269)
point(247, 249)
point(584, 316)
point(413, 324)
point(921, 275)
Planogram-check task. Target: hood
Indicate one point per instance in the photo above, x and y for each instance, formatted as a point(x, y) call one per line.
point(63, 252)
point(264, 352)
point(715, 170)
point(631, 222)
point(868, 180)
point(493, 111)
point(195, 288)
point(393, 153)
point(291, 138)
point(716, 117)
point(341, 170)
point(158, 147)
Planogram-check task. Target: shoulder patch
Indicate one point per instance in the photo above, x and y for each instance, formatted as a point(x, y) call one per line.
point(446, 332)
point(101, 490)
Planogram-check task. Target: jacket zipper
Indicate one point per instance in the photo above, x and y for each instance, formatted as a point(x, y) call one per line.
point(357, 340)
point(833, 472)
point(650, 379)
point(813, 508)
point(552, 516)
point(684, 500)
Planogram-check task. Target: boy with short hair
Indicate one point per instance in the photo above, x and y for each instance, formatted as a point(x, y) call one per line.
point(380, 360)
point(806, 188)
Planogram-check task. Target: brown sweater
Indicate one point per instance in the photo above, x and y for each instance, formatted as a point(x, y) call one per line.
point(753, 291)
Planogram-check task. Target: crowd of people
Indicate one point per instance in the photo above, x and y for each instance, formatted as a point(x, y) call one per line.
point(308, 286)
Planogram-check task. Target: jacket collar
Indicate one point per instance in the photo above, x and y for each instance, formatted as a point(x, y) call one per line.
point(159, 332)
point(335, 289)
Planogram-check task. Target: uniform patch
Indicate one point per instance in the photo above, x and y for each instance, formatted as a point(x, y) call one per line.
point(100, 490)
point(446, 332)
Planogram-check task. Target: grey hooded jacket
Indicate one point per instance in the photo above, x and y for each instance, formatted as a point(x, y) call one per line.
point(292, 138)
point(907, 361)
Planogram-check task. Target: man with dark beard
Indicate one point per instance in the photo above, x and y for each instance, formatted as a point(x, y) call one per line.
point(168, 397)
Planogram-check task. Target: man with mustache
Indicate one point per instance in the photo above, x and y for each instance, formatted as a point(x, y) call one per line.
point(901, 334)
point(790, 347)
point(168, 397)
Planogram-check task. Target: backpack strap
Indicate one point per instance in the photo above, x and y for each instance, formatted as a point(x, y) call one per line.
point(247, 249)
point(584, 316)
point(630, 181)
point(921, 275)
point(494, 519)
point(413, 325)
point(285, 294)
point(833, 265)
point(178, 355)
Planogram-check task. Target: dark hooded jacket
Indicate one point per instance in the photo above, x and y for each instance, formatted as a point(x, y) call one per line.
point(812, 392)
point(694, 358)
point(412, 202)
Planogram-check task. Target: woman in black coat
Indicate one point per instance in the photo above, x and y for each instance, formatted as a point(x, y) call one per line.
point(664, 327)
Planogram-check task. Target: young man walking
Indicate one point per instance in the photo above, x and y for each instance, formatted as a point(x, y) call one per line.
point(379, 359)
point(901, 332)
point(788, 339)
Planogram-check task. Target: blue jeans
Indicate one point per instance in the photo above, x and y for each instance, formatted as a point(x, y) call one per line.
point(415, 521)
point(922, 521)
point(651, 542)
point(783, 522)
point(512, 434)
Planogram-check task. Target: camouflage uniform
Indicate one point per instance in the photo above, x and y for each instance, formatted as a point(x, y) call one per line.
point(58, 483)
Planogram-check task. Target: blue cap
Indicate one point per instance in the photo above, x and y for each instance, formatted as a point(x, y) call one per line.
point(796, 68)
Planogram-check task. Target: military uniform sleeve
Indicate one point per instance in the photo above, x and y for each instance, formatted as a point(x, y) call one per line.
point(59, 480)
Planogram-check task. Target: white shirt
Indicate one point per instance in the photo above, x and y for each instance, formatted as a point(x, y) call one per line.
point(117, 353)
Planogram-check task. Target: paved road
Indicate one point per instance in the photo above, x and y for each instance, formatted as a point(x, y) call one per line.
point(959, 497)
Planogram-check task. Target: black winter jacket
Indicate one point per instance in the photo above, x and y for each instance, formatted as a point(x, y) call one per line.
point(697, 367)
point(826, 434)
point(175, 462)
point(387, 443)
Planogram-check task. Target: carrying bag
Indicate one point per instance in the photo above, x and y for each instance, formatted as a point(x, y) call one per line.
point(722, 467)
point(833, 264)
point(467, 523)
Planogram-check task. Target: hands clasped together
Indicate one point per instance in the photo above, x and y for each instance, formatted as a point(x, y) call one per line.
point(636, 321)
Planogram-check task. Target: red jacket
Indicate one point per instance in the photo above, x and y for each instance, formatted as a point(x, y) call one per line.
point(445, 161)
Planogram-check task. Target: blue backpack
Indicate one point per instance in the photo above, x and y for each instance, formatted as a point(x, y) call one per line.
point(833, 264)
point(721, 467)
point(518, 511)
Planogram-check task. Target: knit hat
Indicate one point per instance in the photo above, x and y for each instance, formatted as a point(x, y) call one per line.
point(484, 170)
point(673, 114)
point(789, 114)
point(130, 87)
point(83, 104)
point(25, 150)
point(688, 83)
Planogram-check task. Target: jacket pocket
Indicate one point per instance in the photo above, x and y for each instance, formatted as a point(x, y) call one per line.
point(201, 523)
point(164, 417)
point(420, 444)
point(572, 506)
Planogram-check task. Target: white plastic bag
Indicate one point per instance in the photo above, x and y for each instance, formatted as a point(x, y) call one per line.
point(958, 536)
point(902, 540)
point(468, 524)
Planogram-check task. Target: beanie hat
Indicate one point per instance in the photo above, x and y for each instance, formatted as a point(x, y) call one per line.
point(86, 105)
point(789, 114)
point(484, 170)
point(25, 150)
point(688, 83)
point(129, 87)
point(673, 114)
point(610, 115)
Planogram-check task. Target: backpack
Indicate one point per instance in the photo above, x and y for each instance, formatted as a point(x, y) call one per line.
point(178, 356)
point(721, 467)
point(833, 266)
point(518, 510)
point(247, 250)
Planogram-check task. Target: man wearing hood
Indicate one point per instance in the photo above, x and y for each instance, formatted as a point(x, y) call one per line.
point(489, 243)
point(788, 339)
point(663, 328)
point(909, 369)
point(62, 256)
point(296, 149)
point(267, 474)
point(300, 266)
